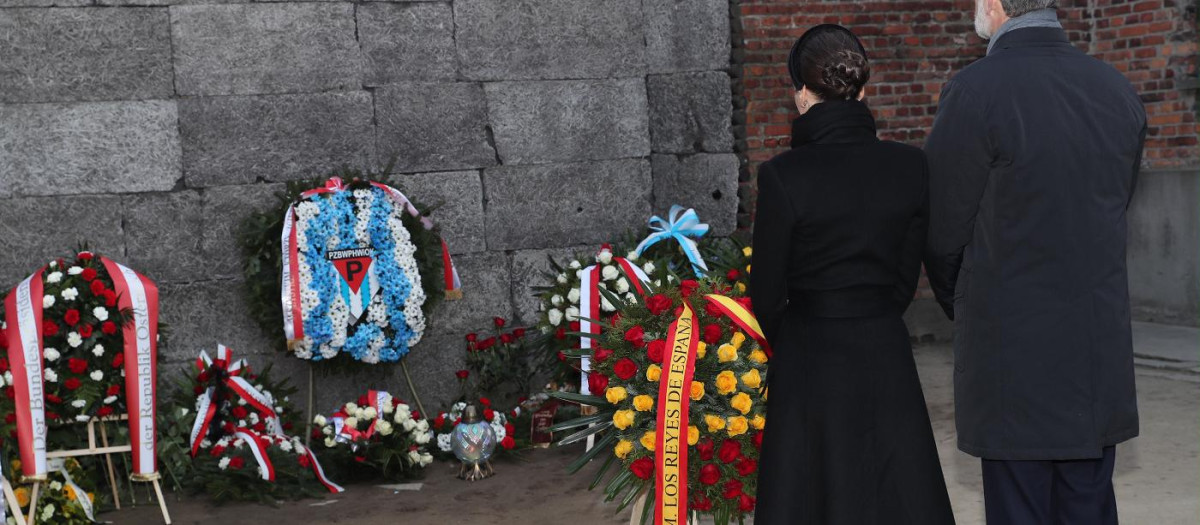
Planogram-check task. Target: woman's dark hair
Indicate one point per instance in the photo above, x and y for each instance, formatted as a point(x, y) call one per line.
point(831, 61)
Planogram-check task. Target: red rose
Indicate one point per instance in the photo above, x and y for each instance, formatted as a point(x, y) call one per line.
point(658, 304)
point(85, 256)
point(110, 298)
point(746, 466)
point(688, 286)
point(712, 334)
point(260, 427)
point(709, 474)
point(439, 421)
point(416, 415)
point(304, 461)
point(113, 390)
point(53, 398)
point(52, 415)
point(49, 329)
point(745, 302)
point(197, 389)
point(701, 503)
point(109, 328)
point(599, 355)
point(104, 411)
point(561, 356)
point(636, 336)
point(733, 274)
point(730, 450)
point(240, 412)
point(77, 366)
point(597, 382)
point(757, 440)
point(118, 361)
point(499, 322)
point(71, 317)
point(508, 442)
point(72, 383)
point(363, 400)
point(462, 374)
point(746, 503)
point(733, 489)
point(485, 402)
point(506, 339)
point(705, 449)
point(560, 334)
point(712, 310)
point(625, 368)
point(85, 331)
point(227, 428)
point(360, 459)
point(654, 350)
point(643, 468)
point(487, 343)
point(472, 337)
point(574, 326)
point(237, 463)
point(520, 332)
point(509, 429)
point(10, 418)
point(489, 414)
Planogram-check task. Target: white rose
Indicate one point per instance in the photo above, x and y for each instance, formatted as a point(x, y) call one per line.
point(424, 437)
point(572, 314)
point(609, 273)
point(328, 431)
point(605, 257)
point(51, 354)
point(622, 285)
point(74, 340)
point(630, 299)
point(370, 413)
point(54, 277)
point(330, 442)
point(319, 420)
point(70, 293)
point(47, 301)
point(113, 399)
point(384, 428)
point(55, 485)
point(407, 412)
point(632, 256)
point(223, 464)
point(352, 422)
point(562, 278)
point(101, 313)
point(96, 375)
point(606, 305)
point(408, 425)
point(575, 265)
point(648, 267)
point(83, 418)
point(573, 296)
point(423, 426)
point(98, 350)
point(555, 317)
point(414, 457)
point(351, 408)
point(556, 300)
point(75, 270)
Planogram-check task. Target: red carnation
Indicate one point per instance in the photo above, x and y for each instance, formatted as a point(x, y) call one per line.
point(260, 427)
point(712, 334)
point(3, 339)
point(472, 337)
point(88, 274)
point(636, 336)
point(49, 329)
point(642, 468)
point(506, 339)
point(561, 356)
point(71, 317)
point(104, 411)
point(489, 414)
point(237, 463)
point(597, 382)
point(658, 304)
point(733, 489)
point(574, 326)
point(508, 442)
point(654, 350)
point(197, 389)
point(304, 461)
point(109, 328)
point(3, 365)
point(240, 412)
point(499, 322)
point(52, 415)
point(10, 417)
point(625, 368)
point(97, 286)
point(757, 440)
point(746, 466)
point(416, 415)
point(439, 421)
point(72, 384)
point(113, 390)
point(745, 302)
point(110, 298)
point(560, 334)
point(509, 429)
point(360, 459)
point(85, 331)
point(701, 503)
point(730, 450)
point(53, 398)
point(746, 503)
point(77, 366)
point(519, 332)
point(616, 318)
point(601, 354)
point(9, 392)
point(85, 256)
point(485, 402)
point(363, 400)
point(705, 449)
point(711, 309)
point(118, 361)
point(688, 286)
point(709, 474)
point(462, 374)
point(733, 274)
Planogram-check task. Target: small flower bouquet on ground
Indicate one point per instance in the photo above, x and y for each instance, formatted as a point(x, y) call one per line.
point(376, 436)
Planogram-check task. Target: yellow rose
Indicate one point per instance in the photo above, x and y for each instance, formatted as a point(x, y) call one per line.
point(701, 349)
point(727, 353)
point(758, 422)
point(738, 426)
point(741, 402)
point(649, 440)
point(653, 372)
point(643, 403)
point(697, 391)
point(714, 423)
point(747, 268)
point(758, 356)
point(738, 339)
point(693, 434)
point(623, 419)
point(70, 492)
point(622, 449)
point(615, 394)
point(22, 496)
point(747, 251)
point(752, 379)
point(726, 382)
point(92, 496)
point(741, 287)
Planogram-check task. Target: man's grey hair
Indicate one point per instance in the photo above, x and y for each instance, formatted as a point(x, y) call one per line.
point(1015, 8)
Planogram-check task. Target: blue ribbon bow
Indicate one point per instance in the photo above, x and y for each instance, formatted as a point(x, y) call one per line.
point(684, 226)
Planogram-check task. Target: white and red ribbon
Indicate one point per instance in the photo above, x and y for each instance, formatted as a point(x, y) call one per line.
point(259, 449)
point(23, 313)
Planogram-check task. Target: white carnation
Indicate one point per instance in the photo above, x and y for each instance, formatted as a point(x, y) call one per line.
point(74, 340)
point(101, 313)
point(414, 457)
point(408, 425)
point(47, 301)
point(223, 464)
point(79, 403)
point(648, 267)
point(98, 350)
point(96, 375)
point(422, 426)
point(352, 422)
point(575, 265)
point(424, 437)
point(74, 270)
point(54, 277)
point(606, 305)
point(113, 399)
point(351, 407)
point(370, 413)
point(50, 375)
point(70, 293)
point(51, 354)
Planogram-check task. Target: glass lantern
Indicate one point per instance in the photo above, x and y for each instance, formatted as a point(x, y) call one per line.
point(473, 443)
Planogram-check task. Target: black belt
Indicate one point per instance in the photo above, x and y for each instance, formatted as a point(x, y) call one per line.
point(864, 301)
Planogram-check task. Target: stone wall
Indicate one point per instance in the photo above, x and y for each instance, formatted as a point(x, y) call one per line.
point(150, 128)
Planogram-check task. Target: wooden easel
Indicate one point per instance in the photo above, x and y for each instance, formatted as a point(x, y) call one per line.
point(10, 499)
point(107, 451)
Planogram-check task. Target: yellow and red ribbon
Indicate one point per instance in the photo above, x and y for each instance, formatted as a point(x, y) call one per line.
point(670, 451)
point(741, 316)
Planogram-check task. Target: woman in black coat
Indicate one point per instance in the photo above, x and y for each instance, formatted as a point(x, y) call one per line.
point(838, 238)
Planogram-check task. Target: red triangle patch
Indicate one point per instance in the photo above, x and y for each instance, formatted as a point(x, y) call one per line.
point(352, 269)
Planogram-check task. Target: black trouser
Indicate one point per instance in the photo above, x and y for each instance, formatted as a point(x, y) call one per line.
point(1076, 492)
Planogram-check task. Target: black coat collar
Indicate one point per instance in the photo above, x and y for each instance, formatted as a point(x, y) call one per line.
point(834, 122)
point(1032, 37)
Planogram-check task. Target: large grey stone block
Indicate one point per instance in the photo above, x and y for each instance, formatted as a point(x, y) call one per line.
point(38, 229)
point(240, 139)
point(403, 42)
point(532, 268)
point(163, 233)
point(555, 121)
point(223, 210)
point(457, 201)
point(1164, 246)
point(706, 182)
point(204, 313)
point(690, 112)
point(239, 49)
point(432, 126)
point(45, 3)
point(565, 204)
point(88, 147)
point(536, 39)
point(686, 35)
point(55, 55)
point(485, 278)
